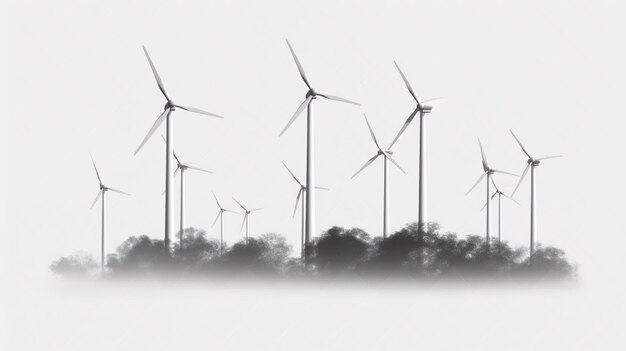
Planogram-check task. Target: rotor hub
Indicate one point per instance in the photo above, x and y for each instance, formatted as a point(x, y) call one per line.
point(170, 105)
point(311, 93)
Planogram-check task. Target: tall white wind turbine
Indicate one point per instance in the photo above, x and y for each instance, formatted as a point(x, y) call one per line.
point(531, 164)
point(169, 107)
point(220, 216)
point(487, 171)
point(423, 110)
point(102, 193)
point(386, 156)
point(500, 194)
point(301, 197)
point(310, 162)
point(246, 218)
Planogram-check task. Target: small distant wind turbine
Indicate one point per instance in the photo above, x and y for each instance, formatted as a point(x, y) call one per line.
point(169, 107)
point(423, 110)
point(500, 195)
point(310, 164)
point(182, 167)
point(220, 216)
point(487, 171)
point(246, 217)
point(531, 163)
point(387, 156)
point(102, 193)
point(301, 194)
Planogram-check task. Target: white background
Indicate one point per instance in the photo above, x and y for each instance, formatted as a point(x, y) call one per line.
point(75, 81)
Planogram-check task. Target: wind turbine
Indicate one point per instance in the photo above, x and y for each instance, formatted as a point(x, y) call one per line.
point(531, 163)
point(246, 220)
point(310, 164)
point(301, 195)
point(423, 110)
point(500, 195)
point(387, 156)
point(220, 216)
point(487, 171)
point(184, 167)
point(102, 193)
point(169, 107)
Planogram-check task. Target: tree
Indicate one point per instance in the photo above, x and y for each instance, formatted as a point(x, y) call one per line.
point(339, 249)
point(78, 264)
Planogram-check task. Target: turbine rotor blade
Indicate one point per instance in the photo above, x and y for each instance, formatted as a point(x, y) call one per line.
point(156, 125)
point(321, 188)
point(216, 218)
point(503, 172)
point(512, 199)
point(388, 156)
point(119, 191)
point(521, 178)
point(245, 217)
point(96, 200)
point(406, 82)
point(298, 112)
point(215, 197)
point(297, 201)
point(365, 165)
point(96, 168)
point(337, 98)
point(257, 209)
point(475, 184)
point(240, 205)
point(431, 100)
point(300, 69)
point(549, 157)
point(156, 74)
point(520, 144)
point(371, 132)
point(197, 110)
point(406, 124)
point(482, 208)
point(494, 183)
point(293, 175)
point(494, 195)
point(482, 154)
point(199, 169)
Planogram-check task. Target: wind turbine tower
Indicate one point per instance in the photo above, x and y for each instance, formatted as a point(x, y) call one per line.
point(102, 193)
point(246, 218)
point(386, 156)
point(423, 109)
point(302, 193)
point(532, 163)
point(169, 107)
point(500, 194)
point(488, 172)
point(310, 157)
point(220, 216)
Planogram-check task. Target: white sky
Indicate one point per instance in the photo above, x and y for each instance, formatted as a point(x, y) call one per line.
point(76, 81)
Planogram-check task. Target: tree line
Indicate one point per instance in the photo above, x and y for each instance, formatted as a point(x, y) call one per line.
point(409, 252)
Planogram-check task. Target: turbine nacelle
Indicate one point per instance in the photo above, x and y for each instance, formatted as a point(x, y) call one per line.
point(424, 108)
point(311, 93)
